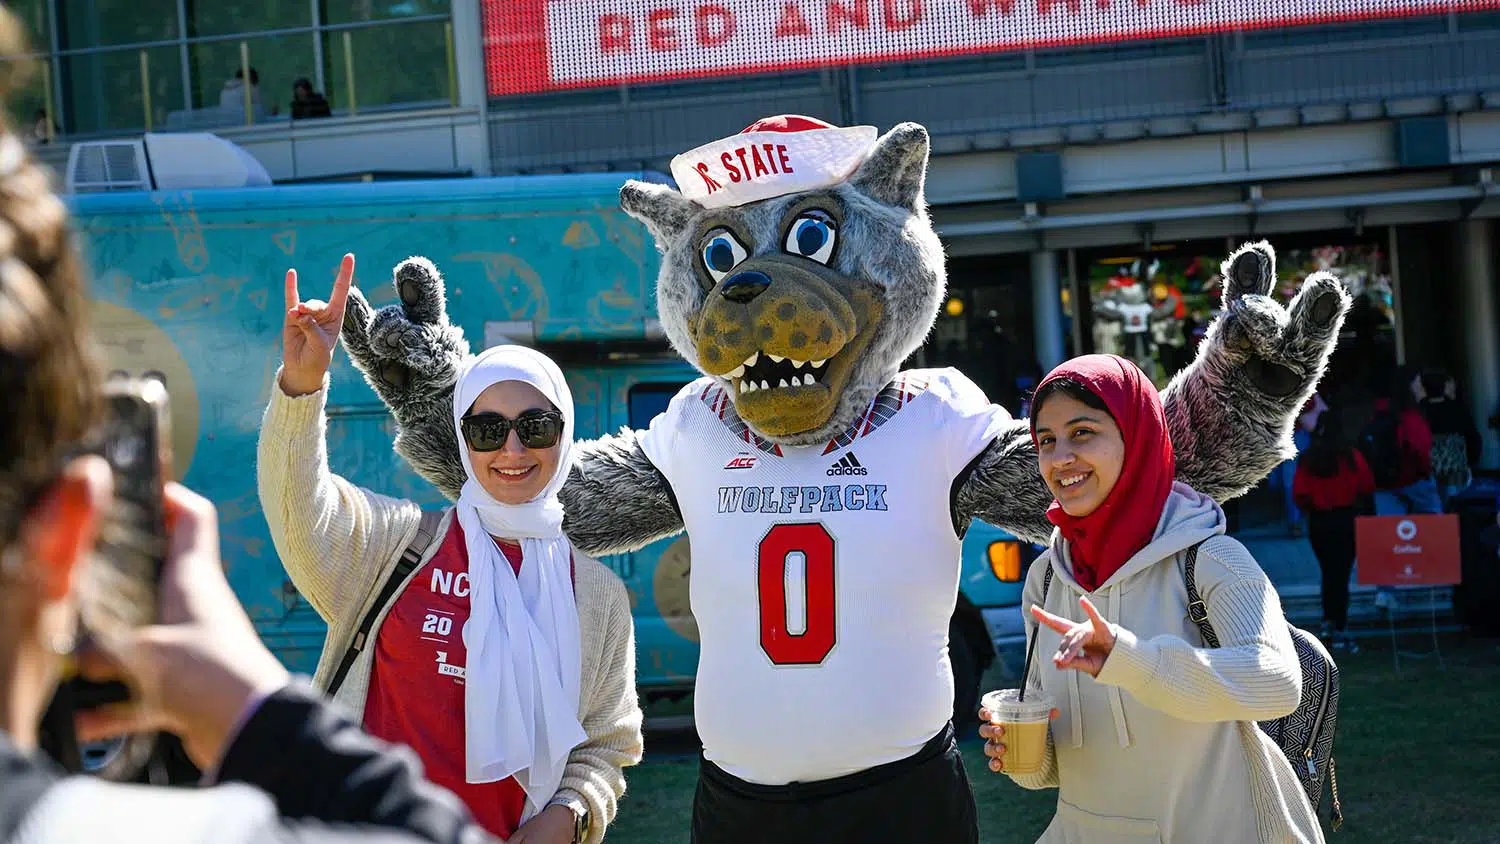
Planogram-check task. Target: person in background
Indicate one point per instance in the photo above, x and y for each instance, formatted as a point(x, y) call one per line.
point(41, 131)
point(505, 658)
point(232, 96)
point(284, 766)
point(1158, 741)
point(1456, 444)
point(1333, 486)
point(1281, 477)
point(306, 102)
point(1397, 446)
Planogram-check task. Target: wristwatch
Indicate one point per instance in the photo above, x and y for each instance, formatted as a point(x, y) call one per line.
point(581, 823)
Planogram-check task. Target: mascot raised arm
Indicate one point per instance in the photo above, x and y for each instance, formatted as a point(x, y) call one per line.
point(799, 270)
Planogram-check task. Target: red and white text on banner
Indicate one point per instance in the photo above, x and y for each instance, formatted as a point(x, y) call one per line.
point(545, 45)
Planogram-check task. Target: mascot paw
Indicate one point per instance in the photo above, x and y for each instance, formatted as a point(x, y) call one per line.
point(410, 355)
point(408, 349)
point(1281, 351)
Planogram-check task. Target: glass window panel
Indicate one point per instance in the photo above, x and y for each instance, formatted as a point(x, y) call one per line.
point(33, 14)
point(95, 23)
point(102, 91)
point(275, 61)
point(1155, 308)
point(1130, 51)
point(393, 65)
point(222, 17)
point(744, 84)
point(1478, 20)
point(940, 67)
point(1298, 36)
point(351, 11)
point(27, 99)
point(1152, 307)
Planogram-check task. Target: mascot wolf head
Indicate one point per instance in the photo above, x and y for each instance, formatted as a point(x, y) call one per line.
point(799, 267)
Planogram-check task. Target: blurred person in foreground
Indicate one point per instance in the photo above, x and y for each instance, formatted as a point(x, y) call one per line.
point(287, 767)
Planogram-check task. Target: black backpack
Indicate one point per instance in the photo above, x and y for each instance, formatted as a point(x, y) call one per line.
point(1382, 449)
point(1305, 736)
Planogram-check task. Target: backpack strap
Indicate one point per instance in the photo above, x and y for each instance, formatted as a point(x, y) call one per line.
point(1031, 647)
point(410, 558)
point(1197, 610)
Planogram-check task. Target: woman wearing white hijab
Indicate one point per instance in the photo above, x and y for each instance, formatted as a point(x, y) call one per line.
point(503, 656)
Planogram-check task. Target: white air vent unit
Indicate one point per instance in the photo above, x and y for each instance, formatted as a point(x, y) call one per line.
point(157, 161)
point(185, 160)
point(95, 166)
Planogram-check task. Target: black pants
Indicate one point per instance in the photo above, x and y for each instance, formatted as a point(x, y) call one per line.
point(1331, 533)
point(923, 798)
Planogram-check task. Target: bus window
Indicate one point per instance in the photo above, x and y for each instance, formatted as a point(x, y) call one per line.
point(649, 398)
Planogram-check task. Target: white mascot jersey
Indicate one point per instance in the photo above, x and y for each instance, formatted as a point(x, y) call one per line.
point(823, 577)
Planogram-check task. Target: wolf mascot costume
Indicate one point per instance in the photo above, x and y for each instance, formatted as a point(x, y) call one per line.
point(800, 269)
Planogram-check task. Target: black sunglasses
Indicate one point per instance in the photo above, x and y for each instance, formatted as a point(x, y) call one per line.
point(535, 428)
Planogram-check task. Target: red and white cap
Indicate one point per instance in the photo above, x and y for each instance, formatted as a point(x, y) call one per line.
point(775, 156)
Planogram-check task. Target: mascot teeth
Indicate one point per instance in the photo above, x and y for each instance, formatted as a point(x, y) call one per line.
point(759, 373)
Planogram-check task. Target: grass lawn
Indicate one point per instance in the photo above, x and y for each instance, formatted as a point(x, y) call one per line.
point(1418, 760)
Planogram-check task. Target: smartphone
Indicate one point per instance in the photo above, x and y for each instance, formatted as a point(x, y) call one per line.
point(132, 546)
point(130, 554)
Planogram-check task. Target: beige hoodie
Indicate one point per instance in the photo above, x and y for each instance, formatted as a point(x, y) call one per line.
point(1162, 748)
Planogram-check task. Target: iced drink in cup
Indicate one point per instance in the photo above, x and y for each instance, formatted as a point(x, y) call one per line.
point(1025, 723)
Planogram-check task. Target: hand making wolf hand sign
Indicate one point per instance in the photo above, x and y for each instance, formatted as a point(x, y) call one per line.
point(1086, 644)
point(311, 331)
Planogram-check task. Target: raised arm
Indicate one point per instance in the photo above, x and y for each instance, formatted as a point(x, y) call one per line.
point(1230, 412)
point(410, 355)
point(330, 534)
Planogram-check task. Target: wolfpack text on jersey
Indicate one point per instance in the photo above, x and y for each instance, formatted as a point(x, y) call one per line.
point(823, 577)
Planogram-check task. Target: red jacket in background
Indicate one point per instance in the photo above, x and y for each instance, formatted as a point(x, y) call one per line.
point(1414, 437)
point(1346, 488)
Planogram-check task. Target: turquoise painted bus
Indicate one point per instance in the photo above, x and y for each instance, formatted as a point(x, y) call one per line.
point(187, 285)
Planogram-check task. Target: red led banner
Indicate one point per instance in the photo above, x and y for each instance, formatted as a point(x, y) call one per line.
point(546, 45)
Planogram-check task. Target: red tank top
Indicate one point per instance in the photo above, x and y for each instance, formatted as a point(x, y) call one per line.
point(417, 683)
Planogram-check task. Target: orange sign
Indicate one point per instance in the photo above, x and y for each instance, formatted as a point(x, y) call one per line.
point(1408, 550)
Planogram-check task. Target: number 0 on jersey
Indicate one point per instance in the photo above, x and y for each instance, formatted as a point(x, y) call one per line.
point(795, 565)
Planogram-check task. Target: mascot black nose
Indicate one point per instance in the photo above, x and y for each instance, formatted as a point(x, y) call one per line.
point(742, 287)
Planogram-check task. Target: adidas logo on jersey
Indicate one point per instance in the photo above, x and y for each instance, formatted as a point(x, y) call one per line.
point(848, 465)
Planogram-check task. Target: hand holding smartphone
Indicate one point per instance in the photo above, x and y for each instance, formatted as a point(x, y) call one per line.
point(125, 576)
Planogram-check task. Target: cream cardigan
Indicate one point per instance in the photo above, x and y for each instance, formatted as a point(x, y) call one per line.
point(1163, 748)
point(340, 543)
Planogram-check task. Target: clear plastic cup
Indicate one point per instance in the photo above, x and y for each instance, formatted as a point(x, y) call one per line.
point(1025, 723)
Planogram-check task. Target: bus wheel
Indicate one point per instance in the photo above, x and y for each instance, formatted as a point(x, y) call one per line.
point(966, 673)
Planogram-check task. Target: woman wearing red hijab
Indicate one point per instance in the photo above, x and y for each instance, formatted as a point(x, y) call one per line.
point(1154, 736)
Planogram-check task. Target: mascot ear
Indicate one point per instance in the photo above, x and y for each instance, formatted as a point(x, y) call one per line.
point(664, 211)
point(896, 170)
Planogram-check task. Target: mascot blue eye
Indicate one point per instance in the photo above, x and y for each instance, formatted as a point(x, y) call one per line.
point(721, 253)
point(812, 235)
